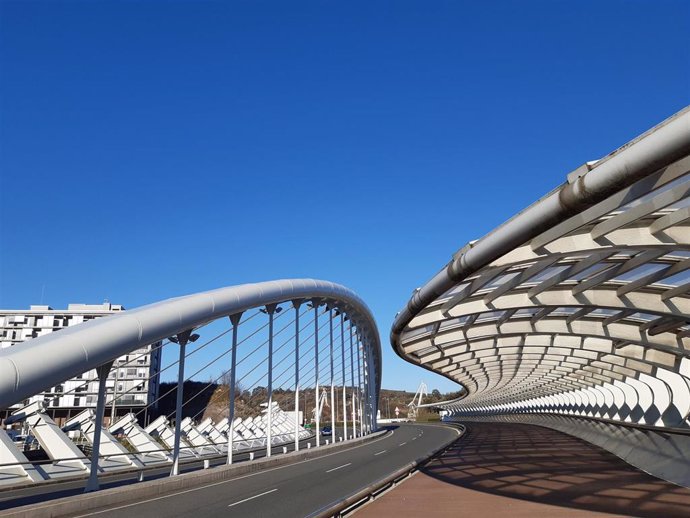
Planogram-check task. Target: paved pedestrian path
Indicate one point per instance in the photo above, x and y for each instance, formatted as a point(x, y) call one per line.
point(502, 469)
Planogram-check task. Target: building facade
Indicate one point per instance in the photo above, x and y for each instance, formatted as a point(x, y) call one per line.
point(133, 380)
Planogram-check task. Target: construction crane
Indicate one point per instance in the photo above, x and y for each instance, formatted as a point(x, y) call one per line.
point(416, 401)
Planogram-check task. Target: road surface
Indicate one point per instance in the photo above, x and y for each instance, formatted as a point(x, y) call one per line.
point(297, 489)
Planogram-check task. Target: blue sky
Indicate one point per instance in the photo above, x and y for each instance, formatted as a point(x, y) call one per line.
point(152, 149)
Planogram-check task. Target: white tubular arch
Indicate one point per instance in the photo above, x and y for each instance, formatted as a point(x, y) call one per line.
point(580, 304)
point(50, 359)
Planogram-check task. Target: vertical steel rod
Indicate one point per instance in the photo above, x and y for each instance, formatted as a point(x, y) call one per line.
point(235, 321)
point(365, 375)
point(182, 337)
point(317, 410)
point(372, 384)
point(92, 483)
point(269, 408)
point(296, 304)
point(113, 411)
point(352, 384)
point(330, 324)
point(359, 389)
point(342, 363)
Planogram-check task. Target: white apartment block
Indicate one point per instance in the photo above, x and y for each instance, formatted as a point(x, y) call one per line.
point(134, 377)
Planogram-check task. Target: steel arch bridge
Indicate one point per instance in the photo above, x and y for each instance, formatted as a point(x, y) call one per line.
point(342, 329)
point(578, 306)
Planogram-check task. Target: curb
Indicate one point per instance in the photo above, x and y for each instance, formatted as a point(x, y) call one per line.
point(356, 500)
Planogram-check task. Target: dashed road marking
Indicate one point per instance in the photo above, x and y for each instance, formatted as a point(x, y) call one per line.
point(253, 497)
point(343, 466)
point(403, 443)
point(379, 453)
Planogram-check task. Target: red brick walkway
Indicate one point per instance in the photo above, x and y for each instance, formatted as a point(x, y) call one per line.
point(523, 470)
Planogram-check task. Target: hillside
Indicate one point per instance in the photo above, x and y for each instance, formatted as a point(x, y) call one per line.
point(204, 400)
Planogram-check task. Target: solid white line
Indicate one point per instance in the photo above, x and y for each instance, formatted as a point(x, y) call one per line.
point(379, 453)
point(385, 436)
point(403, 443)
point(253, 497)
point(343, 466)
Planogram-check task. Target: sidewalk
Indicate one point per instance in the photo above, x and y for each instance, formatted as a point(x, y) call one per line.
point(521, 470)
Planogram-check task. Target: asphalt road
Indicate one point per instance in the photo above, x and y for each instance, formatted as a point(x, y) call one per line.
point(44, 493)
point(297, 489)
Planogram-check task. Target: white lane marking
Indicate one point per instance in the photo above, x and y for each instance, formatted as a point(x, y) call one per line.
point(343, 466)
point(253, 497)
point(403, 443)
point(379, 453)
point(414, 438)
point(385, 436)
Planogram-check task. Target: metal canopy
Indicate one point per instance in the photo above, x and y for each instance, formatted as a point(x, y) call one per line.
point(581, 303)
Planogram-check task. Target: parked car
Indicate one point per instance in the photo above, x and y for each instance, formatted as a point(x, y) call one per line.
point(326, 430)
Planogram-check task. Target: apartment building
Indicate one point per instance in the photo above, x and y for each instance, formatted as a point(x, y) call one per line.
point(134, 378)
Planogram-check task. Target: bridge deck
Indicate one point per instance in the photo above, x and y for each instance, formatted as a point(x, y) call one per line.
point(525, 470)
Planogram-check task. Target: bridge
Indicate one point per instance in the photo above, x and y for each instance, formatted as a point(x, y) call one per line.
point(569, 324)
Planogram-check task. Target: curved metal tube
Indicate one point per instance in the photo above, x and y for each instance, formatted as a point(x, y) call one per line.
point(48, 360)
point(658, 147)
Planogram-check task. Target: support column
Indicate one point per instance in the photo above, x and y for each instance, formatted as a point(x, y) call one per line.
point(370, 386)
point(296, 304)
point(317, 410)
point(235, 321)
point(271, 309)
point(92, 483)
point(182, 340)
point(370, 377)
point(352, 384)
point(113, 410)
point(365, 394)
point(342, 363)
point(330, 326)
point(359, 388)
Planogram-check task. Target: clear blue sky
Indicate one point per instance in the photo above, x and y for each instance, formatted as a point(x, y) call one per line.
point(152, 149)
